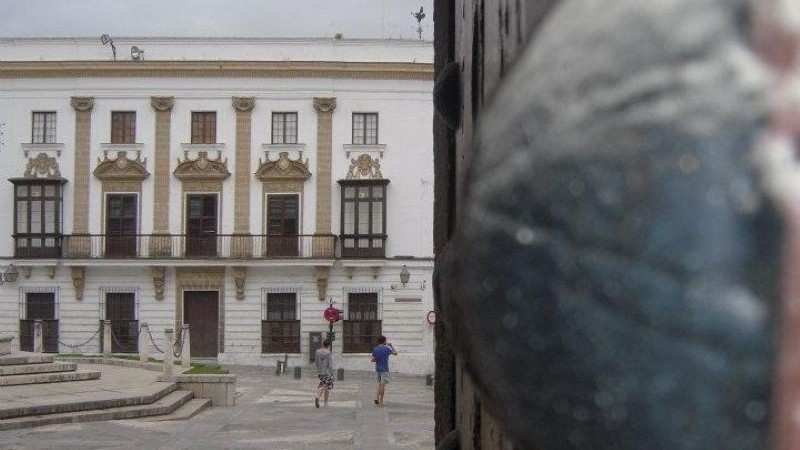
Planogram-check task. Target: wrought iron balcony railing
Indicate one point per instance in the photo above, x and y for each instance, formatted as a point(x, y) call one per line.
point(177, 246)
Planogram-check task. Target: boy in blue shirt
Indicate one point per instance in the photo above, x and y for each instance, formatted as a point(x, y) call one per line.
point(380, 356)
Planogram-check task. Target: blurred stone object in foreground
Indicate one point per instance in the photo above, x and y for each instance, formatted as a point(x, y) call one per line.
point(619, 258)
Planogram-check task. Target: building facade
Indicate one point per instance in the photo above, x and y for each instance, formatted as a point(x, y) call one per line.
point(237, 185)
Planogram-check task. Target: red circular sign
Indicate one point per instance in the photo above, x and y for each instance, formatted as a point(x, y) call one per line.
point(431, 317)
point(332, 314)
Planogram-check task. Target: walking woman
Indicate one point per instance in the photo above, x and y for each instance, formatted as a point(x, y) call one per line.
point(324, 360)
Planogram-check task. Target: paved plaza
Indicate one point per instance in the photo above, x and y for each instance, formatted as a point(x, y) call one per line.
point(272, 413)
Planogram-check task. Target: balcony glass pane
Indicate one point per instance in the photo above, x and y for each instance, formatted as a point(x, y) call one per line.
point(22, 191)
point(377, 217)
point(49, 216)
point(50, 191)
point(363, 217)
point(22, 217)
point(349, 218)
point(36, 217)
point(36, 191)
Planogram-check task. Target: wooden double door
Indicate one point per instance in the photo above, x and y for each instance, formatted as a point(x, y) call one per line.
point(201, 224)
point(39, 306)
point(283, 225)
point(201, 312)
point(122, 218)
point(121, 311)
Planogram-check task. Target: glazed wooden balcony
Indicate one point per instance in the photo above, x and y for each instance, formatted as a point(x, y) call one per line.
point(177, 246)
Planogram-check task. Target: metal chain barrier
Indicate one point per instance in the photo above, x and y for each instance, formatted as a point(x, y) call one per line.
point(115, 339)
point(152, 341)
point(78, 346)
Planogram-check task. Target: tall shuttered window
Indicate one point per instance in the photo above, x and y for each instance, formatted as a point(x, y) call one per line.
point(123, 127)
point(284, 128)
point(280, 327)
point(43, 129)
point(363, 324)
point(365, 128)
point(204, 127)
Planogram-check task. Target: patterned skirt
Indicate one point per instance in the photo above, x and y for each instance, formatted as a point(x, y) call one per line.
point(325, 381)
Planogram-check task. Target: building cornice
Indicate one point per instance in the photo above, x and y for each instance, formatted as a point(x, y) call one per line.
point(262, 69)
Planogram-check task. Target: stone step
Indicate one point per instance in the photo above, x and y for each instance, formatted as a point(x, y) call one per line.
point(165, 405)
point(55, 377)
point(24, 369)
point(85, 401)
point(185, 412)
point(17, 358)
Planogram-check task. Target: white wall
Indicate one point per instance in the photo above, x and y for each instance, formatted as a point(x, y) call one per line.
point(405, 110)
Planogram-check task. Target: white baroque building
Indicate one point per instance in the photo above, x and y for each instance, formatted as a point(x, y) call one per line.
point(237, 185)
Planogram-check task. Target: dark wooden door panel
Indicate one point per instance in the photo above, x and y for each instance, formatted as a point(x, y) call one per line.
point(122, 215)
point(201, 312)
point(201, 225)
point(283, 225)
point(121, 311)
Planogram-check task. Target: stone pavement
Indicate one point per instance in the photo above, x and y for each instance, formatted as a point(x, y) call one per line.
point(115, 380)
point(272, 413)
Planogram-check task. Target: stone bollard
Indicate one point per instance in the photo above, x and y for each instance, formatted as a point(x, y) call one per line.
point(38, 337)
point(107, 338)
point(340, 374)
point(169, 335)
point(186, 355)
point(298, 372)
point(144, 348)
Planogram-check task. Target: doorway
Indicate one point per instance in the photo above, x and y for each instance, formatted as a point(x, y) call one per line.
point(201, 225)
point(121, 311)
point(201, 312)
point(283, 219)
point(121, 225)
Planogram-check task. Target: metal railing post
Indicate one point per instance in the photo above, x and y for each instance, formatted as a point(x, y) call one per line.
point(186, 354)
point(38, 336)
point(169, 356)
point(144, 350)
point(107, 338)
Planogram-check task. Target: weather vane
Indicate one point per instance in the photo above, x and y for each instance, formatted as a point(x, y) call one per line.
point(419, 15)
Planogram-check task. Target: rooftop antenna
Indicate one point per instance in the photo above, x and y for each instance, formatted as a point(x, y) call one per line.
point(106, 40)
point(419, 15)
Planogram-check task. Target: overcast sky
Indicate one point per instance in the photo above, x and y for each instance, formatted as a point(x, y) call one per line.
point(219, 18)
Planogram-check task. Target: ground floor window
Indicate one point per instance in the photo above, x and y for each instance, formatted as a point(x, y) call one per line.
point(363, 324)
point(39, 306)
point(120, 308)
point(280, 327)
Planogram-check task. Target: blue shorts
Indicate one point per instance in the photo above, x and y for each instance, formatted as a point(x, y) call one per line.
point(383, 377)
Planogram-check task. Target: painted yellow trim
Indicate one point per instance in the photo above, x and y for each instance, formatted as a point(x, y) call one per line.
point(266, 69)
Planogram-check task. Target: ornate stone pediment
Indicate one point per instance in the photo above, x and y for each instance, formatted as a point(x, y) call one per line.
point(364, 167)
point(202, 168)
point(121, 168)
point(42, 166)
point(283, 168)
